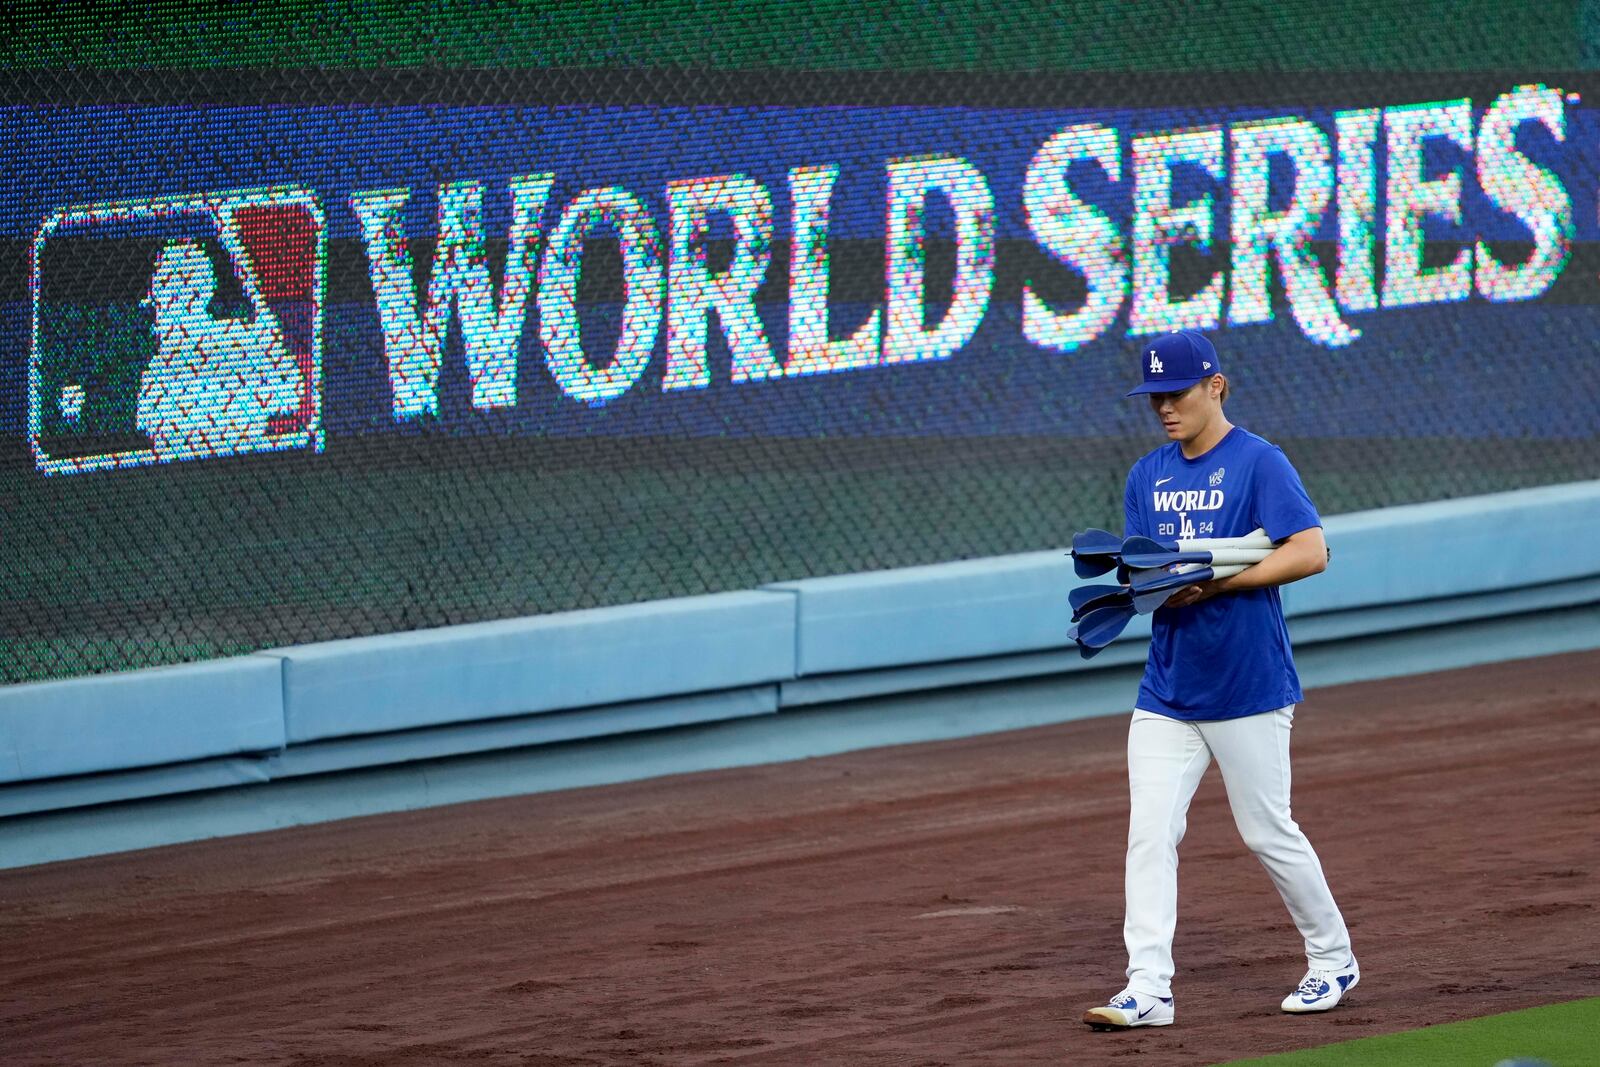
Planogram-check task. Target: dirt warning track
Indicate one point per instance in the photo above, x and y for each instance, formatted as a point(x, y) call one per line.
point(952, 903)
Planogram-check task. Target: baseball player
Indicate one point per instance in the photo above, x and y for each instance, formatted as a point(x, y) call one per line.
point(1219, 683)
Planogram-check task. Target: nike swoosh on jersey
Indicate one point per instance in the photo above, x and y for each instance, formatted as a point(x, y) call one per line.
point(1163, 481)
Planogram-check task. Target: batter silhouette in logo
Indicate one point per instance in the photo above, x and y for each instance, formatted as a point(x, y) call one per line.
point(215, 383)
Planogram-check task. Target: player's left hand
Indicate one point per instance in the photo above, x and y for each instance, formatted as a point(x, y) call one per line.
point(1193, 594)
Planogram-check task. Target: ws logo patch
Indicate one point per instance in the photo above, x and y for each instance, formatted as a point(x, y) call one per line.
point(176, 328)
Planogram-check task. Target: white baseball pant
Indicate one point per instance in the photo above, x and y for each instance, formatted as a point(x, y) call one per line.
point(1166, 759)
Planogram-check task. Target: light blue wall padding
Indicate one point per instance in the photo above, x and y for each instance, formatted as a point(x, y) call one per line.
point(342, 754)
point(140, 718)
point(86, 790)
point(1442, 648)
point(856, 685)
point(1308, 632)
point(1388, 618)
point(895, 719)
point(1526, 559)
point(1015, 604)
point(1439, 555)
point(853, 685)
point(979, 607)
point(1449, 547)
point(574, 659)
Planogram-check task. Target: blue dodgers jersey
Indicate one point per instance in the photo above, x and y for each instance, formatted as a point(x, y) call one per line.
point(1228, 656)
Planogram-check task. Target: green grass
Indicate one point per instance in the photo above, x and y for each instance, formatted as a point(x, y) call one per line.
point(1562, 1035)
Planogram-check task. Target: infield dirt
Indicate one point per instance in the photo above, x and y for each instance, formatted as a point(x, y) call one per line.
point(951, 903)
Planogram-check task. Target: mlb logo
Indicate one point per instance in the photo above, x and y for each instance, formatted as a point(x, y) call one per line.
point(175, 328)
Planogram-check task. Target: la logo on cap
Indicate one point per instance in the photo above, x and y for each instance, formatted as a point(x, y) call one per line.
point(1155, 364)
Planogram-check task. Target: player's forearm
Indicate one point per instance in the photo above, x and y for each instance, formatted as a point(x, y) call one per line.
point(1301, 556)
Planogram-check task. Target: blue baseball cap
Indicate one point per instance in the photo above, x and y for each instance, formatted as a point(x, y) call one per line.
point(1175, 361)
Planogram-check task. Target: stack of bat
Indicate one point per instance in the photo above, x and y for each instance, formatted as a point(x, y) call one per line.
point(1149, 572)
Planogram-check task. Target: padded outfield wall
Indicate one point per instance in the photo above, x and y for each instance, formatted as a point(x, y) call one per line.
point(315, 326)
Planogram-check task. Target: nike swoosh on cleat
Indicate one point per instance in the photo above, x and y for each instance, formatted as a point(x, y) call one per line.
point(1147, 1011)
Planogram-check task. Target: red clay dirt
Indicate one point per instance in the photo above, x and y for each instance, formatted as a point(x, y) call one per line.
point(953, 903)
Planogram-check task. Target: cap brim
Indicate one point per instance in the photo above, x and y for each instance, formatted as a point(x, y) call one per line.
point(1172, 385)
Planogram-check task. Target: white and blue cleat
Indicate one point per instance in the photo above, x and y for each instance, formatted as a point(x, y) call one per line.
point(1320, 990)
point(1129, 1009)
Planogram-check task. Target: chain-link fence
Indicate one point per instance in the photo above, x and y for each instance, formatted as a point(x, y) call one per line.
point(303, 343)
